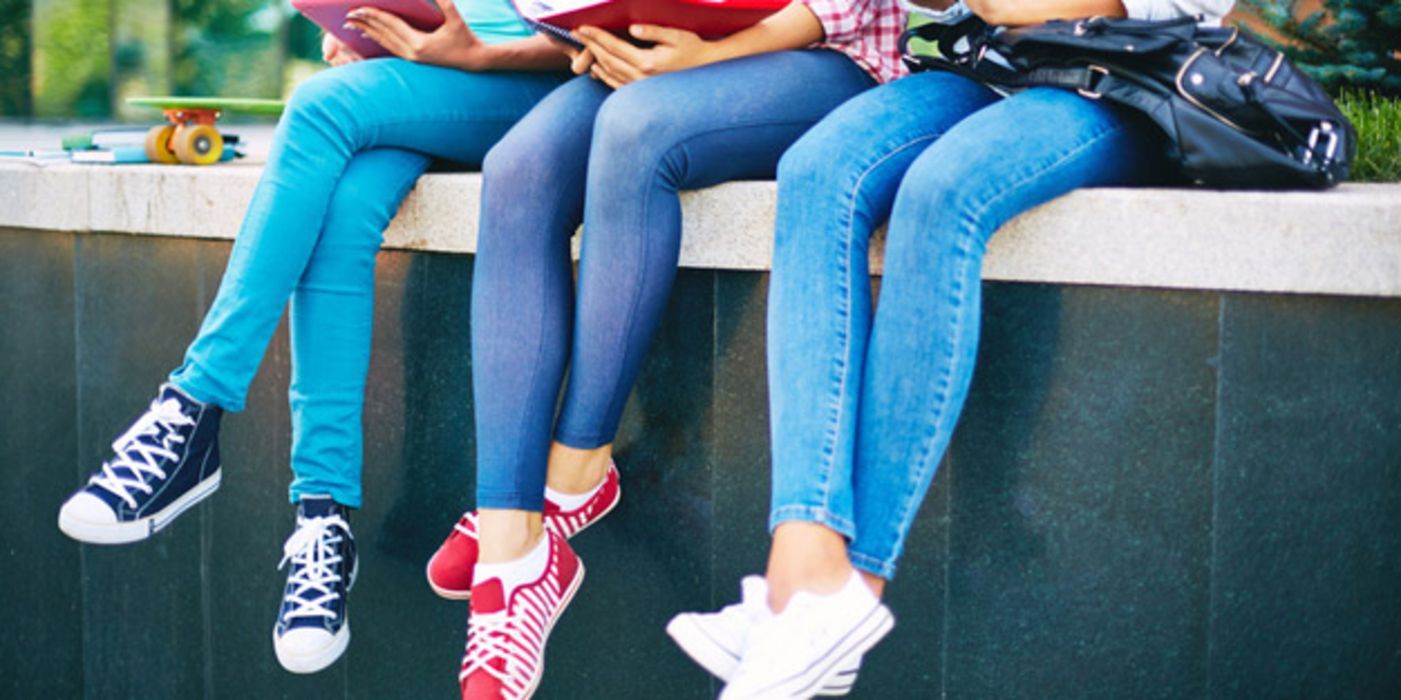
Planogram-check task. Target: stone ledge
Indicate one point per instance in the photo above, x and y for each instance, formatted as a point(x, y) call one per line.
point(1347, 241)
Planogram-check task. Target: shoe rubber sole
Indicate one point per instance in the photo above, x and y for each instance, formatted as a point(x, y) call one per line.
point(141, 528)
point(705, 650)
point(451, 594)
point(317, 660)
point(721, 661)
point(856, 643)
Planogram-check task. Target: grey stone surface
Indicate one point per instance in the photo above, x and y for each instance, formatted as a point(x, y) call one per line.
point(1346, 241)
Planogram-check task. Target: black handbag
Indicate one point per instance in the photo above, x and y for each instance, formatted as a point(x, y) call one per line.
point(1237, 114)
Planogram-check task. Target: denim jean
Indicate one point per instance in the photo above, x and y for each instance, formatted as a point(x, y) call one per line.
point(349, 147)
point(863, 402)
point(615, 161)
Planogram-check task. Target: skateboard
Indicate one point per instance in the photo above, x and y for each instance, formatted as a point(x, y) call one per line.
point(191, 137)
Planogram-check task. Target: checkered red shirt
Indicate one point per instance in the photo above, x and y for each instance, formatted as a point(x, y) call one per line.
point(866, 30)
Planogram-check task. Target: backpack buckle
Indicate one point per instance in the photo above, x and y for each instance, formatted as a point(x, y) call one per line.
point(1090, 91)
point(1326, 133)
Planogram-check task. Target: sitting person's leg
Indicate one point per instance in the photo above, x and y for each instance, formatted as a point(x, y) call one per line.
point(650, 140)
point(169, 459)
point(520, 574)
point(653, 139)
point(919, 353)
point(951, 202)
point(338, 113)
point(835, 187)
point(331, 321)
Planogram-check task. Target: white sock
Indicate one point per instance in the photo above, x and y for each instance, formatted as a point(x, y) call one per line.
point(512, 574)
point(573, 501)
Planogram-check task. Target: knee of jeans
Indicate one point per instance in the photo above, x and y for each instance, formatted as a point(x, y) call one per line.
point(523, 162)
point(807, 158)
point(943, 194)
point(326, 97)
point(636, 128)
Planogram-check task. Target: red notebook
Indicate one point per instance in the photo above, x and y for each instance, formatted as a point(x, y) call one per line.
point(708, 18)
point(330, 15)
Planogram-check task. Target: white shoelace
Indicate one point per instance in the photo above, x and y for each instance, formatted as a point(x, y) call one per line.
point(491, 638)
point(142, 448)
point(311, 549)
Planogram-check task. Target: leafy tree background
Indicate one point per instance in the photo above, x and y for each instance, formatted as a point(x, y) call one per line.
point(14, 57)
point(1342, 44)
point(82, 58)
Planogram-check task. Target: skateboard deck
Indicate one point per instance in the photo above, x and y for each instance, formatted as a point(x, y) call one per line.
point(190, 136)
point(223, 104)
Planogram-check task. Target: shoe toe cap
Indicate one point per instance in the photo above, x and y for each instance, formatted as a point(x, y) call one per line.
point(87, 508)
point(304, 641)
point(310, 649)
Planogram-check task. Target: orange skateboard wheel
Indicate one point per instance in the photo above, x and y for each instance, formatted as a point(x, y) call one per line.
point(198, 144)
point(158, 144)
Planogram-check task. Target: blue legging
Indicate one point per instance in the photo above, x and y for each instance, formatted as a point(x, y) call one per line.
point(350, 146)
point(616, 161)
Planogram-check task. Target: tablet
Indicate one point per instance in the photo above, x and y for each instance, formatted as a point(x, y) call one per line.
point(708, 18)
point(330, 15)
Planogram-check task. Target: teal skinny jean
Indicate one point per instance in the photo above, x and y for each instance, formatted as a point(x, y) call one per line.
point(349, 147)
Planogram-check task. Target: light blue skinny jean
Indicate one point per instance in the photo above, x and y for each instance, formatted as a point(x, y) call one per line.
point(863, 402)
point(615, 161)
point(349, 147)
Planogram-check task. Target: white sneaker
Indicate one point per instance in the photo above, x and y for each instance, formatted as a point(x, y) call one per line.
point(716, 640)
point(793, 654)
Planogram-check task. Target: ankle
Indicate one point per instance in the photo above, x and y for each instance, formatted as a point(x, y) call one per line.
point(507, 535)
point(574, 471)
point(806, 557)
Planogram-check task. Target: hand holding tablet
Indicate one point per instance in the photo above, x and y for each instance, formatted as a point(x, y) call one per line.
point(330, 15)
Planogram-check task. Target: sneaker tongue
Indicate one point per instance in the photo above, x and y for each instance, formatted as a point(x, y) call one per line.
point(187, 404)
point(318, 507)
point(488, 597)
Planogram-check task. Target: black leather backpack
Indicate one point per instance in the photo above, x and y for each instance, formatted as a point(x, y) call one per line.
point(1237, 114)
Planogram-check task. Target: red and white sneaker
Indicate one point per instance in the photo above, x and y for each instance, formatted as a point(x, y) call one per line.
point(507, 630)
point(450, 569)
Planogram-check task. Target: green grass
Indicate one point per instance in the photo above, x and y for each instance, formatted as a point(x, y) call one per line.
point(1378, 122)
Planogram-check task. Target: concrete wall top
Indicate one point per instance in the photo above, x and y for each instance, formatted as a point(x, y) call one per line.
point(1345, 241)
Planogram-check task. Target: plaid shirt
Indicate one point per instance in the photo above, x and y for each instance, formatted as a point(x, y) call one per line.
point(866, 30)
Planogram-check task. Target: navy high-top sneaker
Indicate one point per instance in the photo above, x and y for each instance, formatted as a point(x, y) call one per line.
point(313, 628)
point(164, 463)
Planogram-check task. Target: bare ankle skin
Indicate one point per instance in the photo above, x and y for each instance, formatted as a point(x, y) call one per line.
point(507, 535)
point(577, 471)
point(813, 558)
point(806, 557)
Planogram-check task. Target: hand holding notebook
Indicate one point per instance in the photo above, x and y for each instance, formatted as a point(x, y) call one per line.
point(707, 18)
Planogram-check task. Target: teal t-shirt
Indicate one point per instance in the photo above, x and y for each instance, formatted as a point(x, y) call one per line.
point(493, 21)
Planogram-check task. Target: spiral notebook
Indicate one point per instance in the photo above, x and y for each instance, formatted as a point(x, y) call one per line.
point(708, 18)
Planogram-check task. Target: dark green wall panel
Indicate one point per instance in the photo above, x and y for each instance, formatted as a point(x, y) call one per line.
point(1307, 568)
point(145, 604)
point(1114, 519)
point(248, 519)
point(1081, 497)
point(647, 559)
point(419, 450)
point(41, 645)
